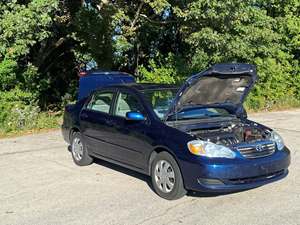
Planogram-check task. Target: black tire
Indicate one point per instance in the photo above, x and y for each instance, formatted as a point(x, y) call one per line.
point(177, 191)
point(85, 159)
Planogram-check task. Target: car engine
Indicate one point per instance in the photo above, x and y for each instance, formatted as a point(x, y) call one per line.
point(230, 133)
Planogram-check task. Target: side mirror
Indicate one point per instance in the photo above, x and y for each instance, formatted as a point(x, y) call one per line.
point(135, 116)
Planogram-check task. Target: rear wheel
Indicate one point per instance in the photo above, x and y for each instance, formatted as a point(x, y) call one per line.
point(166, 177)
point(79, 153)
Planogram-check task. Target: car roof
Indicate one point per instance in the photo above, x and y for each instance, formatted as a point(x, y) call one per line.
point(145, 86)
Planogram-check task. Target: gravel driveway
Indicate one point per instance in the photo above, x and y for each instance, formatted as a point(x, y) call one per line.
point(41, 185)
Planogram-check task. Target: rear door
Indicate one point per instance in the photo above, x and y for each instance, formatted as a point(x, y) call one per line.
point(96, 124)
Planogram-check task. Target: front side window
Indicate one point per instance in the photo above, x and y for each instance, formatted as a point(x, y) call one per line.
point(101, 102)
point(127, 103)
point(160, 100)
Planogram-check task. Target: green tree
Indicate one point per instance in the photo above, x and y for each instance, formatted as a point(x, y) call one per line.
point(241, 31)
point(42, 41)
point(35, 48)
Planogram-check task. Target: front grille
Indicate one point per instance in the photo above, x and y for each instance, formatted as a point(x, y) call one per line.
point(257, 151)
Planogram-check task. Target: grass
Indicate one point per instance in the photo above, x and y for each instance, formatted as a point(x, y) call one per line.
point(45, 121)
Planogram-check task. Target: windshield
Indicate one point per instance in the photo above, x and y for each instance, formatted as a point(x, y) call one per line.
point(161, 100)
point(200, 113)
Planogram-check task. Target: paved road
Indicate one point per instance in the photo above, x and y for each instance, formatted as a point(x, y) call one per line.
point(39, 184)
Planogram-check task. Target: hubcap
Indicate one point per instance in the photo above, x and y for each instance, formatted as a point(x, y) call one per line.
point(77, 149)
point(164, 176)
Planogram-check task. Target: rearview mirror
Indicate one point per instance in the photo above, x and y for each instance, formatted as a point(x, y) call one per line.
point(136, 116)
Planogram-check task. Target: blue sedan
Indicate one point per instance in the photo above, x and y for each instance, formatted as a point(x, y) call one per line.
point(195, 137)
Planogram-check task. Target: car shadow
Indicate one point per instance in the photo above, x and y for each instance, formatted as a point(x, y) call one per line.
point(123, 170)
point(211, 194)
point(126, 171)
point(147, 179)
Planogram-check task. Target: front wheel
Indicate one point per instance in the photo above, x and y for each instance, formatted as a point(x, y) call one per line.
point(166, 177)
point(79, 153)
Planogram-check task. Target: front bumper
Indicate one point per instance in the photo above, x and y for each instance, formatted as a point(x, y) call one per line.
point(227, 175)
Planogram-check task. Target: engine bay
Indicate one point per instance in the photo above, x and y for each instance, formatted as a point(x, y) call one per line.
point(229, 133)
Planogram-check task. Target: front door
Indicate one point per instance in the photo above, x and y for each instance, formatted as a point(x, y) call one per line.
point(131, 136)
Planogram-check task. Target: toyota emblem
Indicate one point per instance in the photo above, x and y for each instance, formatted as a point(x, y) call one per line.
point(259, 148)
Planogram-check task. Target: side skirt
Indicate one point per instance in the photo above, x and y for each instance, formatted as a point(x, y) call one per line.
point(113, 161)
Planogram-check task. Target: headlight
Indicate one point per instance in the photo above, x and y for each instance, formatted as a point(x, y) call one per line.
point(277, 139)
point(209, 149)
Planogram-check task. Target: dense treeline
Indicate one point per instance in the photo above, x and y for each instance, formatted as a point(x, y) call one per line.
point(43, 41)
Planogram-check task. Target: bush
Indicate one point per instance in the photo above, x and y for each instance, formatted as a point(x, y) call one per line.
point(12, 100)
point(7, 74)
point(21, 117)
point(19, 112)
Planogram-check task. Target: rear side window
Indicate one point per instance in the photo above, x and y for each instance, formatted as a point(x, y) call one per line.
point(101, 102)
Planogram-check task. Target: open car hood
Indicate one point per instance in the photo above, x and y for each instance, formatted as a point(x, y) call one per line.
point(222, 85)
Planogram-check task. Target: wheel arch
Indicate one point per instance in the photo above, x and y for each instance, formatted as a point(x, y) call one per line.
point(72, 131)
point(156, 151)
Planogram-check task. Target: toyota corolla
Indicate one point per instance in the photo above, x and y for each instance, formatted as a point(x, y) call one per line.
point(195, 137)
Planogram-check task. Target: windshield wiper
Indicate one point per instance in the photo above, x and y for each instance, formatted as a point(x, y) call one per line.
point(197, 118)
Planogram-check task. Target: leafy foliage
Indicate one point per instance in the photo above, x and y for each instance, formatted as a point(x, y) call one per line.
point(24, 25)
point(93, 30)
point(162, 70)
point(11, 102)
point(7, 74)
point(244, 31)
point(19, 111)
point(42, 42)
